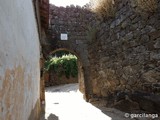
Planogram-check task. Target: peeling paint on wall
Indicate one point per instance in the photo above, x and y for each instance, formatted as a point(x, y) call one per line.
point(19, 61)
point(12, 94)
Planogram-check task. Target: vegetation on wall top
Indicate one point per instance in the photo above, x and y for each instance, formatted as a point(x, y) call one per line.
point(103, 8)
point(107, 8)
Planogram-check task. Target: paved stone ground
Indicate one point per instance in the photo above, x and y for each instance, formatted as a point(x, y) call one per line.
point(65, 102)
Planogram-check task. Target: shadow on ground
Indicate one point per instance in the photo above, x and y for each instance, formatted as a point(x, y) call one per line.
point(50, 117)
point(66, 88)
point(116, 114)
point(69, 105)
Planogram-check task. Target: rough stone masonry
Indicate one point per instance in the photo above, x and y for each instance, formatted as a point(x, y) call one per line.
point(122, 53)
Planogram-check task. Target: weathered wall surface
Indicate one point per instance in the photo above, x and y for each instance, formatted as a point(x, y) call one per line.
point(72, 21)
point(55, 79)
point(19, 61)
point(123, 51)
point(127, 52)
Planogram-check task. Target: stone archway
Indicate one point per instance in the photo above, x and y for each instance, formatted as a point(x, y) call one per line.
point(77, 42)
point(81, 79)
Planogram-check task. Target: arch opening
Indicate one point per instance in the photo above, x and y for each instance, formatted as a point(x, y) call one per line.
point(53, 79)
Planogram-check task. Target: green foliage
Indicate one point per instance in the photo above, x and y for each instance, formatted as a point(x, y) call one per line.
point(65, 65)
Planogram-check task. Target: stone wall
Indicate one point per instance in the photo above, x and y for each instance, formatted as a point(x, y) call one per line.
point(72, 21)
point(127, 49)
point(55, 79)
point(122, 52)
point(19, 61)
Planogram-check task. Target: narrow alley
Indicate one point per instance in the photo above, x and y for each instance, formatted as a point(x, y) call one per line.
point(115, 61)
point(65, 102)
